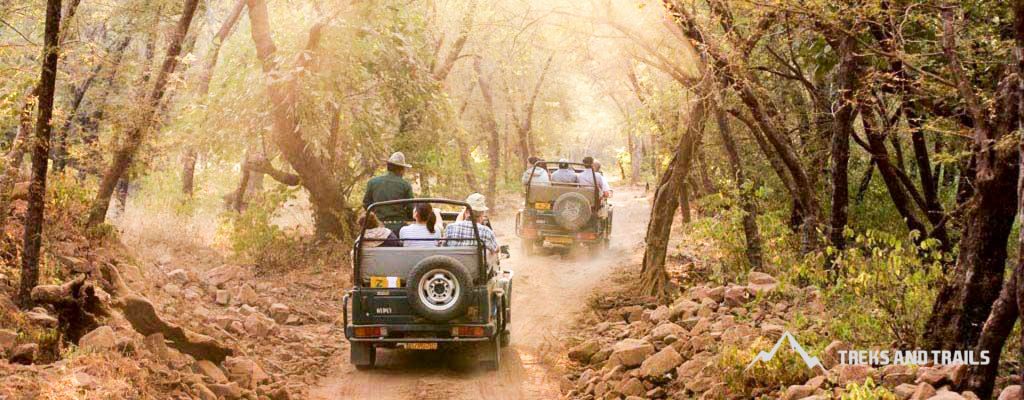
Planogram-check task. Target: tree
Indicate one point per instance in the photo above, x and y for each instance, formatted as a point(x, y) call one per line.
point(124, 155)
point(40, 155)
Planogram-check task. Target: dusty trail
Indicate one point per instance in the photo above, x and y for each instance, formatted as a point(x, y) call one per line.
point(547, 292)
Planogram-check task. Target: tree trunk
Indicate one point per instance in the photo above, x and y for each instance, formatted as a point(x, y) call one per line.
point(659, 228)
point(189, 160)
point(865, 181)
point(40, 156)
point(635, 158)
point(750, 231)
point(847, 78)
point(125, 154)
point(491, 127)
point(684, 202)
point(994, 333)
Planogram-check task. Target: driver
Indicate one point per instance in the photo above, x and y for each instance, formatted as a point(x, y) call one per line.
point(463, 229)
point(391, 186)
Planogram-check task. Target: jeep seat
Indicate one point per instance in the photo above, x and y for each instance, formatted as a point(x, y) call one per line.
point(398, 261)
point(549, 193)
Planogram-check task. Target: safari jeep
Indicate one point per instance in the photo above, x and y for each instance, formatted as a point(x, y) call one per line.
point(423, 298)
point(563, 214)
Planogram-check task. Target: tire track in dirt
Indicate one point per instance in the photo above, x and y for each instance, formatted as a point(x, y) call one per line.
point(548, 291)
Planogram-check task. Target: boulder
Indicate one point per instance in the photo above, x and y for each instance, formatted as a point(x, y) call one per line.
point(904, 391)
point(211, 370)
point(923, 391)
point(601, 355)
point(99, 339)
point(223, 274)
point(173, 289)
point(736, 296)
point(761, 282)
point(203, 392)
point(632, 313)
point(659, 314)
point(946, 395)
point(257, 325)
point(222, 297)
point(81, 379)
point(969, 395)
point(797, 392)
point(851, 373)
point(682, 309)
point(668, 328)
point(931, 376)
point(1012, 392)
point(630, 352)
point(24, 354)
point(830, 357)
point(41, 318)
point(228, 391)
point(955, 373)
point(246, 295)
point(178, 276)
point(279, 312)
point(245, 372)
point(660, 363)
point(584, 351)
point(631, 387)
point(689, 369)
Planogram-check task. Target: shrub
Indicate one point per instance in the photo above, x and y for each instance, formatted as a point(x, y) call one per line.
point(255, 238)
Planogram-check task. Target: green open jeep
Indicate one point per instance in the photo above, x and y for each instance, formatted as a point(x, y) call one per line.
point(563, 214)
point(426, 298)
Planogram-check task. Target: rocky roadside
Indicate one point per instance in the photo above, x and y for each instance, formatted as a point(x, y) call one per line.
point(629, 348)
point(280, 330)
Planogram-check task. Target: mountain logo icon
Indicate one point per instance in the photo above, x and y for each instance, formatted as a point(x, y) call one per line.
point(766, 356)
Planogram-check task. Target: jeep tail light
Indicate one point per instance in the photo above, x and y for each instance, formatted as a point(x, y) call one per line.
point(586, 235)
point(529, 233)
point(468, 331)
point(373, 331)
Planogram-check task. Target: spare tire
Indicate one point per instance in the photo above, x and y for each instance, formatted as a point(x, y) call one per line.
point(572, 210)
point(437, 288)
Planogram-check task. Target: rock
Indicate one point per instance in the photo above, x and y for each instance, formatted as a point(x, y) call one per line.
point(682, 309)
point(99, 339)
point(630, 352)
point(279, 312)
point(223, 274)
point(7, 340)
point(736, 296)
point(40, 317)
point(659, 314)
point(904, 391)
point(156, 344)
point(660, 363)
point(192, 294)
point(631, 387)
point(931, 376)
point(668, 328)
point(830, 357)
point(969, 395)
point(257, 325)
point(947, 396)
point(245, 372)
point(211, 370)
point(601, 355)
point(173, 289)
point(851, 373)
point(24, 354)
point(717, 294)
point(923, 391)
point(632, 313)
point(222, 297)
point(816, 382)
point(1010, 393)
point(247, 295)
point(955, 373)
point(178, 276)
point(656, 393)
point(689, 369)
point(584, 351)
point(204, 392)
point(761, 282)
point(229, 391)
point(797, 392)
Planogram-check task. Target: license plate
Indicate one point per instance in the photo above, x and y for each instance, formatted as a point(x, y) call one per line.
point(560, 240)
point(378, 282)
point(542, 206)
point(420, 346)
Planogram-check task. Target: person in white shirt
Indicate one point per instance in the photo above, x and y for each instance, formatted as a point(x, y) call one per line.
point(588, 175)
point(564, 174)
point(606, 189)
point(540, 174)
point(423, 228)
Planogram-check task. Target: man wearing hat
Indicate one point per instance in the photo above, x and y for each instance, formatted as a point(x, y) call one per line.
point(390, 186)
point(463, 228)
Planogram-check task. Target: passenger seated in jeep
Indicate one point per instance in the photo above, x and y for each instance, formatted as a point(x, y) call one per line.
point(564, 174)
point(424, 228)
point(376, 233)
point(539, 172)
point(463, 229)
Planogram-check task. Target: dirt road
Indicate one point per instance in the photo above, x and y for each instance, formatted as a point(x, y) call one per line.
point(548, 291)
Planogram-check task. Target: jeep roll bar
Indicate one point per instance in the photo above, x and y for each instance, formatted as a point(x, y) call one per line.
point(597, 188)
point(358, 251)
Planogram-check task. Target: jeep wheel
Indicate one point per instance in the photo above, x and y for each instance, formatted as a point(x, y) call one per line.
point(437, 288)
point(363, 355)
point(572, 210)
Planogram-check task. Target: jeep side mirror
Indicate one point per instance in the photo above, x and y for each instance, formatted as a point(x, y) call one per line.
point(504, 251)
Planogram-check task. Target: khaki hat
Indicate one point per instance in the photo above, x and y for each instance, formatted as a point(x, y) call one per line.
point(398, 158)
point(477, 202)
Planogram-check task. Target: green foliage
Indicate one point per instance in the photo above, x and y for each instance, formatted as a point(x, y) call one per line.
point(785, 369)
point(255, 238)
point(867, 391)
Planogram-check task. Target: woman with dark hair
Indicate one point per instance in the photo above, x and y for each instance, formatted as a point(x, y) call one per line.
point(377, 234)
point(423, 229)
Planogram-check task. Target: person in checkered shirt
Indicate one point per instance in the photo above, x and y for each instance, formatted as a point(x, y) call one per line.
point(463, 228)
